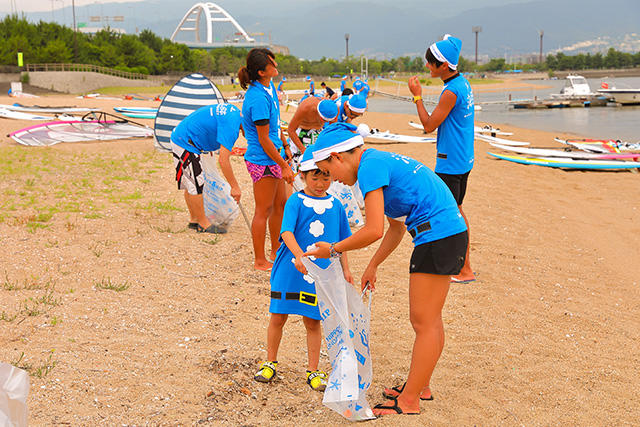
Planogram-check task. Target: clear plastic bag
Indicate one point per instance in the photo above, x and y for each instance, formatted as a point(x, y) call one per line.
point(14, 390)
point(345, 321)
point(219, 206)
point(344, 193)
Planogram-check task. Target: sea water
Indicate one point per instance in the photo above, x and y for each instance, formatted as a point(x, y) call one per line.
point(621, 123)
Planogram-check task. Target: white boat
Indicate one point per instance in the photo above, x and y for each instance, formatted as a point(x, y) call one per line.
point(625, 96)
point(576, 87)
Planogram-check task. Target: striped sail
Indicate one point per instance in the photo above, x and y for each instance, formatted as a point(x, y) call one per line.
point(186, 96)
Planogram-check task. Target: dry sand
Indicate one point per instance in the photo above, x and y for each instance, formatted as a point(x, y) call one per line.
point(548, 335)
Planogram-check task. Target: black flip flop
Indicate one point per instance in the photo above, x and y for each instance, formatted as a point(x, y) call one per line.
point(192, 225)
point(400, 390)
point(395, 407)
point(211, 229)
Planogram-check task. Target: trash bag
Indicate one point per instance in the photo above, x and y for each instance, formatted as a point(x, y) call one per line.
point(358, 195)
point(344, 193)
point(14, 389)
point(345, 321)
point(219, 206)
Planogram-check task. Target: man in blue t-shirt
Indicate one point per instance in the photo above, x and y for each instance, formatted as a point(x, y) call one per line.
point(453, 117)
point(312, 86)
point(206, 130)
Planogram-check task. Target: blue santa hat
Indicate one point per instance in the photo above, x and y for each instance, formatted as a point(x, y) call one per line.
point(307, 163)
point(308, 78)
point(283, 79)
point(447, 50)
point(357, 103)
point(336, 138)
point(328, 110)
point(357, 85)
point(344, 77)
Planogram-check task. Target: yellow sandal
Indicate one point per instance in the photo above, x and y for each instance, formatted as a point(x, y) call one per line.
point(317, 380)
point(267, 372)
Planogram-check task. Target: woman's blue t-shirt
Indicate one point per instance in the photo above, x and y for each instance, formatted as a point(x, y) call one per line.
point(207, 128)
point(456, 132)
point(260, 103)
point(412, 193)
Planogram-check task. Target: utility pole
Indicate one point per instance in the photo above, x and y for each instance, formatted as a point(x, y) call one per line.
point(75, 30)
point(476, 30)
point(541, 36)
point(346, 38)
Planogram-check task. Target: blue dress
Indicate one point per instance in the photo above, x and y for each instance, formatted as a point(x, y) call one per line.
point(311, 220)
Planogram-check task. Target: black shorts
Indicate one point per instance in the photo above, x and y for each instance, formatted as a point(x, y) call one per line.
point(457, 184)
point(444, 256)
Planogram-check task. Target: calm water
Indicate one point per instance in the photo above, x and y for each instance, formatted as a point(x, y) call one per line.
point(600, 122)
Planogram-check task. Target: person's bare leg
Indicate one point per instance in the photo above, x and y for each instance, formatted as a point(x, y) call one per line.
point(314, 341)
point(195, 204)
point(275, 219)
point(274, 335)
point(263, 192)
point(466, 273)
point(427, 294)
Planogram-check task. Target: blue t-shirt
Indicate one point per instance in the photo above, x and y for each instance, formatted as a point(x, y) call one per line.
point(412, 193)
point(343, 84)
point(342, 115)
point(455, 133)
point(357, 85)
point(311, 220)
point(280, 85)
point(260, 103)
point(365, 90)
point(207, 128)
point(311, 87)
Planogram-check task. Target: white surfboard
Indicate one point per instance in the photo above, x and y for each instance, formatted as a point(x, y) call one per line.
point(502, 141)
point(389, 137)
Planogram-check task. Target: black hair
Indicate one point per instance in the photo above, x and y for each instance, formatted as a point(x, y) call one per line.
point(315, 172)
point(257, 60)
point(347, 91)
point(353, 150)
point(431, 59)
point(323, 84)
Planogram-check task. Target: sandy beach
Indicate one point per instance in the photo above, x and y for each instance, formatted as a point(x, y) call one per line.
point(123, 316)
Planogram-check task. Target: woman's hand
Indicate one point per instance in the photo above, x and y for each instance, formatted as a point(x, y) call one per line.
point(287, 153)
point(300, 266)
point(287, 173)
point(235, 193)
point(414, 86)
point(369, 277)
point(321, 250)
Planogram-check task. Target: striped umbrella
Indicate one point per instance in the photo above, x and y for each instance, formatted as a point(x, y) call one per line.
point(186, 96)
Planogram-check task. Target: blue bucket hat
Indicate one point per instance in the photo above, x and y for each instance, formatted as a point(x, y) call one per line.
point(328, 110)
point(447, 50)
point(357, 103)
point(307, 163)
point(336, 138)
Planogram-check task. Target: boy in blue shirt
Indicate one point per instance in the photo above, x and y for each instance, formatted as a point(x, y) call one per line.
point(453, 117)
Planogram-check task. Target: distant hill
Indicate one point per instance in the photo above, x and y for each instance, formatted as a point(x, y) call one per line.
point(312, 30)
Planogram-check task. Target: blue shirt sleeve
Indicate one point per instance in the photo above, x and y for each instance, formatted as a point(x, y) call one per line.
point(372, 174)
point(260, 110)
point(290, 216)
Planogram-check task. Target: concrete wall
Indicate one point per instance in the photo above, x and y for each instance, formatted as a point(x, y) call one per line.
point(82, 82)
point(9, 77)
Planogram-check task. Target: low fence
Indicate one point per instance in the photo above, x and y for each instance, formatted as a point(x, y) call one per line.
point(85, 68)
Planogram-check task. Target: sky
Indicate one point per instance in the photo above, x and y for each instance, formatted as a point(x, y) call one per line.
point(8, 6)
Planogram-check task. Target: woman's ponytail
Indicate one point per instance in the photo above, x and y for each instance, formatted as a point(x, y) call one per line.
point(243, 77)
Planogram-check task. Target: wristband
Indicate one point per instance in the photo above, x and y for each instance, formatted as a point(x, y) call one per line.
point(333, 253)
point(417, 98)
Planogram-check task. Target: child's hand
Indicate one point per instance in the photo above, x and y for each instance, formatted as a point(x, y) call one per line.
point(348, 276)
point(300, 266)
point(369, 277)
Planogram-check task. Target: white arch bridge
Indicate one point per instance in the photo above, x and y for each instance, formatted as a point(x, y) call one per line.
point(213, 15)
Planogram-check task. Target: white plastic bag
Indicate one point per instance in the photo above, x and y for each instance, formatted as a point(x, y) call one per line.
point(219, 206)
point(358, 195)
point(344, 193)
point(14, 389)
point(345, 321)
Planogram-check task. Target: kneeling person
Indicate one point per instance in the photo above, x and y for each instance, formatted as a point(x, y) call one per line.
point(309, 119)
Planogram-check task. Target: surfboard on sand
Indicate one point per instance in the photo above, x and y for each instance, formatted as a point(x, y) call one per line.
point(568, 163)
point(137, 112)
point(502, 141)
point(190, 93)
point(389, 138)
point(555, 152)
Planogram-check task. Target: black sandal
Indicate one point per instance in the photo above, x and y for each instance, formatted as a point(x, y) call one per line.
point(394, 407)
point(400, 390)
point(211, 229)
point(192, 226)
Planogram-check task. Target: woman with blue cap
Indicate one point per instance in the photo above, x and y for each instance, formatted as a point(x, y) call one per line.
point(453, 117)
point(414, 200)
point(268, 169)
point(312, 85)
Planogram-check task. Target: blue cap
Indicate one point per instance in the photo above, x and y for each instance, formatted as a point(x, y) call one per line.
point(307, 78)
point(336, 138)
point(307, 163)
point(447, 50)
point(283, 79)
point(357, 103)
point(357, 85)
point(328, 110)
point(344, 77)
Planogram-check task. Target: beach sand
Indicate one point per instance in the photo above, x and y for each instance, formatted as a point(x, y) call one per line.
point(146, 322)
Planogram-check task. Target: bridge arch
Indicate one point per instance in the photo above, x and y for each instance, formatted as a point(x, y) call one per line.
point(212, 13)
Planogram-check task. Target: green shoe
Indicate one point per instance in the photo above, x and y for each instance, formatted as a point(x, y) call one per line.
point(267, 372)
point(317, 380)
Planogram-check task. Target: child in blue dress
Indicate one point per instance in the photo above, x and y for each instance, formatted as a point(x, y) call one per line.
point(310, 216)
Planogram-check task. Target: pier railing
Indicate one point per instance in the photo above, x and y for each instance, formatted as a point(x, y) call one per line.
point(85, 68)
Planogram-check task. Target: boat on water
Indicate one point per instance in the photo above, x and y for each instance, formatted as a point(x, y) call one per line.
point(576, 88)
point(624, 96)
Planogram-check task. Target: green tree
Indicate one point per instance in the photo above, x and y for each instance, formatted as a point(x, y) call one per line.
point(56, 51)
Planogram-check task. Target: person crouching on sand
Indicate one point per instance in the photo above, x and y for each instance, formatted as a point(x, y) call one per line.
point(202, 132)
point(309, 119)
point(453, 117)
point(416, 201)
point(268, 169)
point(309, 216)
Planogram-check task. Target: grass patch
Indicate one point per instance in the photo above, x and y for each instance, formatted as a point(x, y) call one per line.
point(7, 317)
point(35, 306)
point(39, 371)
point(27, 284)
point(167, 229)
point(107, 284)
point(212, 241)
point(93, 215)
point(124, 90)
point(161, 207)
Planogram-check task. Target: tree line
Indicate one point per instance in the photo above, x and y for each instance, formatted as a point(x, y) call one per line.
point(146, 53)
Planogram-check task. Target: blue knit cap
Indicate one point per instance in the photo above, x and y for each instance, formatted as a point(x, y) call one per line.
point(336, 138)
point(328, 110)
point(307, 163)
point(447, 50)
point(357, 103)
